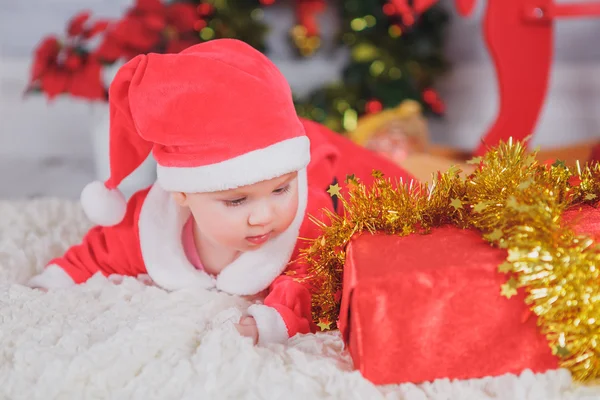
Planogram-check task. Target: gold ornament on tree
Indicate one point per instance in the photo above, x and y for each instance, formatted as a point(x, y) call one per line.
point(396, 133)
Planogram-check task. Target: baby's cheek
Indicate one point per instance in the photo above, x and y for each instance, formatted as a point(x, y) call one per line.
point(215, 225)
point(233, 226)
point(287, 214)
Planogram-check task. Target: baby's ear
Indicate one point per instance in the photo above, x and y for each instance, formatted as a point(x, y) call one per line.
point(180, 198)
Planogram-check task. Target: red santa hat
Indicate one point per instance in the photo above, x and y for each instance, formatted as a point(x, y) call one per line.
point(217, 116)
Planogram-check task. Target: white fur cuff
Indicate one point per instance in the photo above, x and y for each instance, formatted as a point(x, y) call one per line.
point(53, 277)
point(270, 324)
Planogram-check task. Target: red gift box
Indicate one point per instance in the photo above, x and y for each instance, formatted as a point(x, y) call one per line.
point(423, 307)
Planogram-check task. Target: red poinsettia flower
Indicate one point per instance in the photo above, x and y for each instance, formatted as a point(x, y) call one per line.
point(68, 67)
point(182, 21)
point(76, 76)
point(45, 56)
point(78, 27)
point(77, 23)
point(151, 26)
point(59, 69)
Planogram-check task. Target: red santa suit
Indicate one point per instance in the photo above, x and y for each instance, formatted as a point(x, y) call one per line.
point(247, 135)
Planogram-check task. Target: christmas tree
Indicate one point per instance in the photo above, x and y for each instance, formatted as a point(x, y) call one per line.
point(396, 49)
point(395, 55)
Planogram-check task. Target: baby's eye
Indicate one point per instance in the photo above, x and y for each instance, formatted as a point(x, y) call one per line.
point(284, 189)
point(236, 202)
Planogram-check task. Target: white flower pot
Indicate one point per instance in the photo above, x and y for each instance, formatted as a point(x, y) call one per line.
point(144, 175)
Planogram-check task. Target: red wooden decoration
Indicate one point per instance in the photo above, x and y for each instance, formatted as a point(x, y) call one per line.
point(519, 36)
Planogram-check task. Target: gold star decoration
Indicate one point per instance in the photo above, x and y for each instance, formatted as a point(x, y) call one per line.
point(529, 160)
point(509, 289)
point(453, 170)
point(559, 163)
point(561, 351)
point(505, 268)
point(456, 203)
point(479, 207)
point(515, 255)
point(334, 190)
point(392, 216)
point(377, 174)
point(324, 325)
point(513, 203)
point(496, 234)
point(590, 196)
point(351, 179)
point(475, 160)
point(525, 184)
point(300, 280)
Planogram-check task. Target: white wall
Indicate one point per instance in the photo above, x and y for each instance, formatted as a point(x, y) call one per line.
point(31, 127)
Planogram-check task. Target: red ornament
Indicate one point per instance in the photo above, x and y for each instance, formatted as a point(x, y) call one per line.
point(438, 107)
point(430, 96)
point(401, 6)
point(373, 106)
point(408, 19)
point(267, 2)
point(433, 99)
point(420, 6)
point(306, 14)
point(407, 11)
point(205, 9)
point(389, 9)
point(200, 24)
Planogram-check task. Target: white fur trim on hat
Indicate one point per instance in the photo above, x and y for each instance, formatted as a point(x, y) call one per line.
point(259, 165)
point(103, 206)
point(271, 326)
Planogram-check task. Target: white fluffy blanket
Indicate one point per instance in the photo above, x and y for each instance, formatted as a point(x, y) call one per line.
point(103, 340)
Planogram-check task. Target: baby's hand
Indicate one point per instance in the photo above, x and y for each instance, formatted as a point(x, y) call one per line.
point(247, 327)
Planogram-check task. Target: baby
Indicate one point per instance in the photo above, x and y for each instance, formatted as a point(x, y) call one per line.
point(238, 175)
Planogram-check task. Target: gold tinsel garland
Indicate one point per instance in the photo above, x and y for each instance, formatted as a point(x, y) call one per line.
point(516, 203)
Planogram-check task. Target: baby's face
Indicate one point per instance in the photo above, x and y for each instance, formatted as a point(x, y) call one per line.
point(245, 218)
